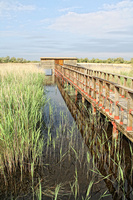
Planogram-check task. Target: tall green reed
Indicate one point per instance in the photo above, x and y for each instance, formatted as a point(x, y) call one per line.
point(21, 102)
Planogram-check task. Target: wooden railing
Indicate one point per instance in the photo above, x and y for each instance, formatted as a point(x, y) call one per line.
point(112, 99)
point(125, 81)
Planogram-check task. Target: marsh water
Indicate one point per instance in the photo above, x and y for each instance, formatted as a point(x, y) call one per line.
point(81, 158)
point(81, 161)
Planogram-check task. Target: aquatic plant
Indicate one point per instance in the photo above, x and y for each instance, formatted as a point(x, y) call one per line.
point(21, 101)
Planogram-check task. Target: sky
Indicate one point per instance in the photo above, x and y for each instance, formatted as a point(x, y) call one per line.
point(32, 29)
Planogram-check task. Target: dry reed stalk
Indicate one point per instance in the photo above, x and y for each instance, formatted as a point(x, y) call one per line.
point(19, 68)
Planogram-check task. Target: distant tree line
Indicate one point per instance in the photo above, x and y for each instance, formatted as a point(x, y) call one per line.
point(109, 60)
point(7, 59)
point(119, 60)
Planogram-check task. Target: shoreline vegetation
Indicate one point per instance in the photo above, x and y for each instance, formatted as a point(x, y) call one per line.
point(21, 101)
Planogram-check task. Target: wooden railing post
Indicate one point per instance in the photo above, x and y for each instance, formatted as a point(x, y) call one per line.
point(85, 71)
point(85, 83)
point(113, 77)
point(77, 78)
point(107, 92)
point(108, 76)
point(82, 82)
point(104, 75)
point(69, 74)
point(110, 109)
point(100, 93)
point(121, 116)
point(125, 84)
point(94, 89)
point(125, 81)
point(74, 76)
point(129, 111)
point(118, 80)
point(90, 86)
point(64, 71)
point(132, 83)
point(88, 82)
point(62, 76)
point(105, 79)
point(116, 114)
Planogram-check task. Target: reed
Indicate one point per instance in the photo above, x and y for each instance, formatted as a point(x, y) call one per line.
point(39, 191)
point(21, 101)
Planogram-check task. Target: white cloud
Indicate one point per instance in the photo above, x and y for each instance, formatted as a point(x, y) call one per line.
point(68, 9)
point(120, 5)
point(10, 6)
point(111, 18)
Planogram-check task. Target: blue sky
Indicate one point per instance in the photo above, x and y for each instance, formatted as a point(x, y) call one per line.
point(33, 29)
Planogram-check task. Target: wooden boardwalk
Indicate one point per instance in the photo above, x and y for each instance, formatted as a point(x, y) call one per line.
point(110, 93)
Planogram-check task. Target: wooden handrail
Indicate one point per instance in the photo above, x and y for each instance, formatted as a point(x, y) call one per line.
point(105, 80)
point(99, 92)
point(105, 74)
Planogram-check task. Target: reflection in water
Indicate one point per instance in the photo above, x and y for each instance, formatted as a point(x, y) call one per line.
point(80, 159)
point(102, 169)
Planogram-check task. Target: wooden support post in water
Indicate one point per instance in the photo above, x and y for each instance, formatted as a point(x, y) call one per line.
point(83, 100)
point(62, 81)
point(83, 104)
point(114, 131)
point(76, 93)
point(93, 108)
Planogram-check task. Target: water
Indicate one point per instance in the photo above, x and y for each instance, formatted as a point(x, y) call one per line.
point(82, 159)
